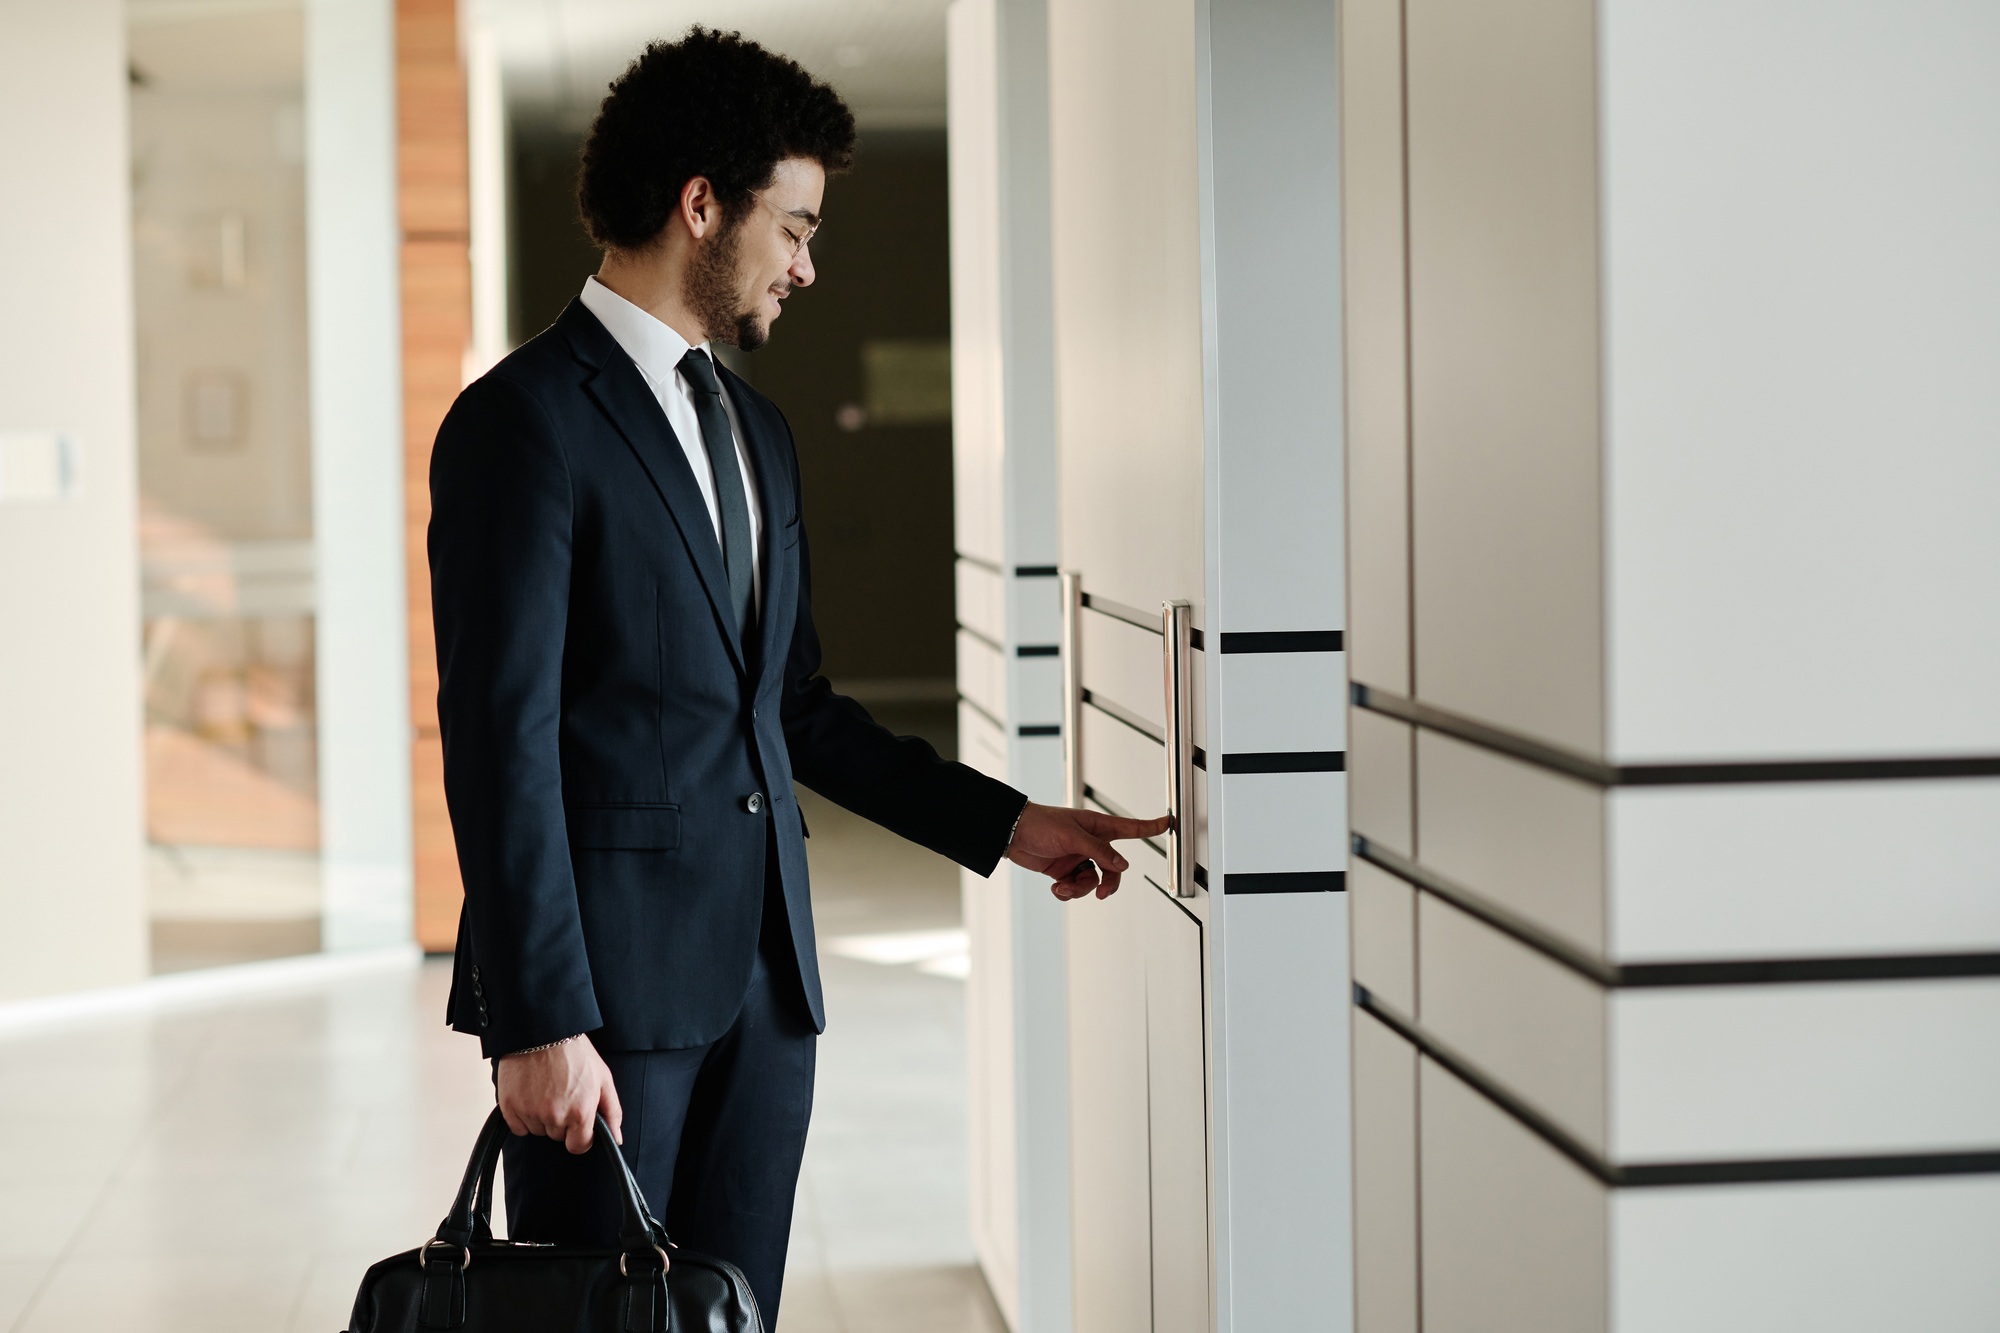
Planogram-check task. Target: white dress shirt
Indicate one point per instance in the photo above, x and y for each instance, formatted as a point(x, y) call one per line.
point(657, 350)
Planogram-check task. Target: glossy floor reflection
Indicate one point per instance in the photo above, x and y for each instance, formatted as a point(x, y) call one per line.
point(235, 1165)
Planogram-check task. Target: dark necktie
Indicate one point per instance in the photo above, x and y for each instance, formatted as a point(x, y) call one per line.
point(730, 502)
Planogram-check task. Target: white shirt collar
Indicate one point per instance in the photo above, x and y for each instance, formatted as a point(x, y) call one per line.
point(650, 342)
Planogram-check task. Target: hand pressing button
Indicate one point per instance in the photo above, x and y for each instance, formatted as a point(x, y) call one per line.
point(754, 802)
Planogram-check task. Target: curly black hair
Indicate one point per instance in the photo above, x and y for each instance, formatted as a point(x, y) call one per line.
point(712, 104)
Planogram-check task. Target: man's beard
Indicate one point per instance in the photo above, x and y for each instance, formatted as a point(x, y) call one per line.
point(711, 293)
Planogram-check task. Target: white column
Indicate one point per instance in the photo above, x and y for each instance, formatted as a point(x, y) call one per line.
point(357, 430)
point(1006, 512)
point(1277, 930)
point(71, 818)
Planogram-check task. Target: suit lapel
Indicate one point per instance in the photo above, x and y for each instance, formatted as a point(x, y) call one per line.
point(622, 392)
point(774, 491)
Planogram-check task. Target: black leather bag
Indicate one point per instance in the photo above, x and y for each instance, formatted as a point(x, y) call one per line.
point(464, 1279)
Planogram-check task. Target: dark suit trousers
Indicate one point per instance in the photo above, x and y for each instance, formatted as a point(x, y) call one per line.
point(716, 1132)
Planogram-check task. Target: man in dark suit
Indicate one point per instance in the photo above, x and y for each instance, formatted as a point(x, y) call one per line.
point(629, 687)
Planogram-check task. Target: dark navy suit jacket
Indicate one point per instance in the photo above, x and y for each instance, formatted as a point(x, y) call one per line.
point(615, 761)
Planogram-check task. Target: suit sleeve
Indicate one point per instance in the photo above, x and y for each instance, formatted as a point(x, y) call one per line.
point(899, 782)
point(500, 553)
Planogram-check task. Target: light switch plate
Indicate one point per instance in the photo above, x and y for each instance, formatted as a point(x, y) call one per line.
point(37, 467)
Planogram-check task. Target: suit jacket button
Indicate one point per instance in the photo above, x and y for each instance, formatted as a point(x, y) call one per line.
point(754, 802)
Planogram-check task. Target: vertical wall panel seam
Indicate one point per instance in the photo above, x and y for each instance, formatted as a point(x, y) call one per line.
point(1410, 631)
point(1605, 441)
point(1214, 942)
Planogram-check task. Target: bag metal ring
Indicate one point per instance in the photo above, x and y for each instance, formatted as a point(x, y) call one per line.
point(664, 1263)
point(424, 1250)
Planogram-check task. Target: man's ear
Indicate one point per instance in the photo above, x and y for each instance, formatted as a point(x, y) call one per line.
point(701, 211)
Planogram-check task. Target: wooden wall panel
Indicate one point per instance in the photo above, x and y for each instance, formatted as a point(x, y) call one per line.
point(432, 165)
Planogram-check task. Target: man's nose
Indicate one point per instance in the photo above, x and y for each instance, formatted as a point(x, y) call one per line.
point(801, 271)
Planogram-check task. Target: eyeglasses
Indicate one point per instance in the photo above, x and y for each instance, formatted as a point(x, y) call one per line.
point(798, 231)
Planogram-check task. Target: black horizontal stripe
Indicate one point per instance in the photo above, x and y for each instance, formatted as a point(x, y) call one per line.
point(1038, 650)
point(1034, 571)
point(1596, 771)
point(1120, 713)
point(1040, 729)
point(1637, 976)
point(1652, 1175)
point(1201, 759)
point(1285, 881)
point(983, 564)
point(1131, 615)
point(1285, 761)
point(1282, 641)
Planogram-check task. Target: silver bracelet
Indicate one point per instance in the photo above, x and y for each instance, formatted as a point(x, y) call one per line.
point(1017, 826)
point(545, 1046)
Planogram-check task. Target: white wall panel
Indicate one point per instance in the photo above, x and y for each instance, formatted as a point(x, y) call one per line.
point(1284, 701)
point(992, 1112)
point(72, 823)
point(1126, 665)
point(1525, 837)
point(1385, 1179)
point(1385, 935)
point(1290, 1157)
point(1800, 285)
point(1514, 1234)
point(982, 674)
point(981, 599)
point(1528, 1022)
point(1268, 138)
point(1789, 869)
point(1377, 326)
point(1176, 1114)
point(1108, 1136)
point(980, 743)
point(1037, 697)
point(1146, 863)
point(1836, 1257)
point(1807, 1070)
point(1128, 768)
point(1506, 528)
point(1128, 314)
point(1381, 794)
point(1285, 821)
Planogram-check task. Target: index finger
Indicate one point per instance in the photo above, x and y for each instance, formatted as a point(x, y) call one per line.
point(1118, 826)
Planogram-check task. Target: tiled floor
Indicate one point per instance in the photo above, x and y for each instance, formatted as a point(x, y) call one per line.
point(235, 1165)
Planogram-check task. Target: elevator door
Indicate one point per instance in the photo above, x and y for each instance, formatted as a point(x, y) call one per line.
point(1127, 339)
point(1138, 1043)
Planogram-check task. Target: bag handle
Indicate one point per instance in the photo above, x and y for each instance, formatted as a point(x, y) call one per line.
point(471, 1216)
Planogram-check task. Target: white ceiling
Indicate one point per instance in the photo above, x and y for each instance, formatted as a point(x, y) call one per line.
point(885, 56)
